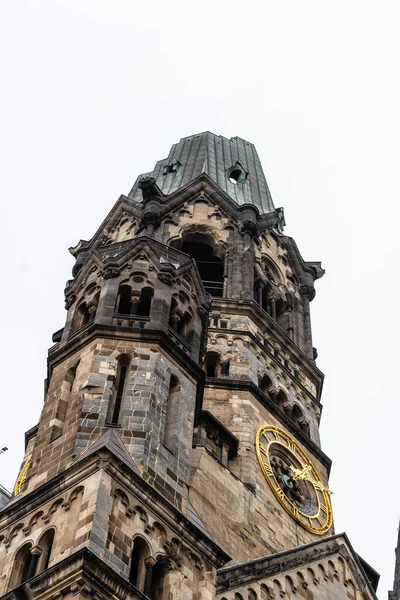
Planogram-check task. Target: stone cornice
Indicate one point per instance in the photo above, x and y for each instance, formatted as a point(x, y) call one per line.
point(249, 386)
point(304, 555)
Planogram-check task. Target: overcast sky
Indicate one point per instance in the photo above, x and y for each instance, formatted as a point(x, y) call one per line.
point(93, 92)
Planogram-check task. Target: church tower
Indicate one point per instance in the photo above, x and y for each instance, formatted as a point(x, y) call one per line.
point(178, 453)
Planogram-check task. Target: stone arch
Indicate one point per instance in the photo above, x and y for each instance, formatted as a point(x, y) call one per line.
point(342, 570)
point(141, 550)
point(278, 589)
point(312, 577)
point(251, 594)
point(121, 497)
point(203, 243)
point(322, 572)
point(23, 567)
point(45, 543)
point(265, 382)
point(142, 514)
point(159, 534)
point(266, 592)
point(290, 587)
point(34, 519)
point(333, 573)
point(75, 493)
point(281, 399)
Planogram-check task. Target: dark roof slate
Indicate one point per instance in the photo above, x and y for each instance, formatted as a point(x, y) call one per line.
point(214, 155)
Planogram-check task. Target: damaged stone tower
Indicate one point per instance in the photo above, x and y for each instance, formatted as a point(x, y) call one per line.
point(178, 454)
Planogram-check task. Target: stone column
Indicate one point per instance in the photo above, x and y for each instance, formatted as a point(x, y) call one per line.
point(248, 230)
point(135, 300)
point(149, 564)
point(307, 293)
point(36, 552)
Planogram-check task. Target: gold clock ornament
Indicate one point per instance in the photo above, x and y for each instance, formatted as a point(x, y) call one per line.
point(22, 475)
point(293, 479)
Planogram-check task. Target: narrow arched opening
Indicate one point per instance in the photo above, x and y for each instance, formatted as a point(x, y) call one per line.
point(118, 391)
point(212, 364)
point(146, 297)
point(201, 247)
point(124, 300)
point(265, 383)
point(171, 429)
point(137, 572)
point(23, 567)
point(46, 545)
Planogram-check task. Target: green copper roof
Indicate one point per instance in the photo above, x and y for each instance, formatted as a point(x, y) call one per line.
point(233, 164)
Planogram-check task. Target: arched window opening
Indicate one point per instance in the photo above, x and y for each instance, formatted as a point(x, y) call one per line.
point(81, 317)
point(180, 321)
point(297, 414)
point(124, 300)
point(137, 574)
point(212, 364)
point(24, 566)
point(146, 296)
point(281, 400)
point(46, 545)
point(63, 403)
point(171, 429)
point(265, 383)
point(119, 389)
point(201, 247)
point(183, 327)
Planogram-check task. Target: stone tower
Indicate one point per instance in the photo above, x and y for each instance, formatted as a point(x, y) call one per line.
point(178, 454)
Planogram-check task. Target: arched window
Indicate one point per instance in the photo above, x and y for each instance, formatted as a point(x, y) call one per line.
point(181, 321)
point(134, 302)
point(23, 566)
point(124, 300)
point(171, 429)
point(265, 383)
point(137, 574)
point(63, 403)
point(281, 399)
point(202, 248)
point(212, 364)
point(114, 413)
point(46, 545)
point(146, 296)
point(81, 317)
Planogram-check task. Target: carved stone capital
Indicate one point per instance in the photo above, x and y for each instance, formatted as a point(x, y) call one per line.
point(307, 291)
point(111, 272)
point(248, 227)
point(150, 219)
point(166, 277)
point(135, 296)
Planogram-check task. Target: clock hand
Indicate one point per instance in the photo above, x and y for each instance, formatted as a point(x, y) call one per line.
point(304, 473)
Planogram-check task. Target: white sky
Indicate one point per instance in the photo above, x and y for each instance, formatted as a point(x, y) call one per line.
point(94, 92)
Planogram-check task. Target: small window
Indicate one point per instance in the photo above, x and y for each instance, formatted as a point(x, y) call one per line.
point(224, 324)
point(237, 174)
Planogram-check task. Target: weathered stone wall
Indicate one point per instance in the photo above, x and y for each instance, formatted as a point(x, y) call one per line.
point(143, 414)
point(247, 523)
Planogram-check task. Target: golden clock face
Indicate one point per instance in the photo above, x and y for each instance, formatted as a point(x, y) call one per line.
point(293, 479)
point(22, 475)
